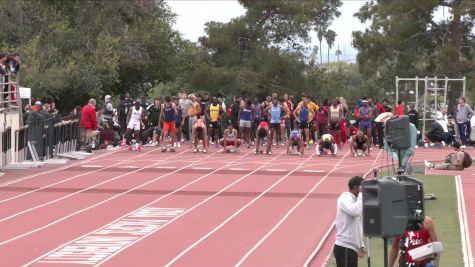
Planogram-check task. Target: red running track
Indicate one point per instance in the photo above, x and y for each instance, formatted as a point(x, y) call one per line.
point(156, 209)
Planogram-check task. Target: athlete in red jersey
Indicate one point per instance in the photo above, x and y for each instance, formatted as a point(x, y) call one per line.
point(410, 240)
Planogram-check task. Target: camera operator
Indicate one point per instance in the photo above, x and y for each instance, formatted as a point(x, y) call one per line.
point(349, 230)
point(411, 239)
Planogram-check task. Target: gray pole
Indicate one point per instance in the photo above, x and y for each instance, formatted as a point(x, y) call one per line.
point(435, 93)
point(464, 84)
point(417, 92)
point(424, 108)
point(445, 91)
point(397, 89)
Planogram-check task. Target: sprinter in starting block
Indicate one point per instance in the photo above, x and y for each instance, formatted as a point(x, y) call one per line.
point(295, 143)
point(326, 143)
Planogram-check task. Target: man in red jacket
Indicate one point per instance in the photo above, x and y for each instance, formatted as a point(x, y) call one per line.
point(89, 121)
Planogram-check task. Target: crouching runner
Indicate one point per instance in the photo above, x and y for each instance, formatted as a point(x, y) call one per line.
point(199, 132)
point(230, 142)
point(326, 142)
point(295, 143)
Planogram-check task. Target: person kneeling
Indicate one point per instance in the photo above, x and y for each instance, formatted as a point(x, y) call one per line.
point(326, 142)
point(295, 143)
point(457, 160)
point(360, 142)
point(199, 132)
point(230, 142)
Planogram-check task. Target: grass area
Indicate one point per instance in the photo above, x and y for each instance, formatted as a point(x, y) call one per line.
point(444, 213)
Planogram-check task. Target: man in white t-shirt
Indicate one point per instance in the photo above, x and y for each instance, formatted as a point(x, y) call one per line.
point(348, 224)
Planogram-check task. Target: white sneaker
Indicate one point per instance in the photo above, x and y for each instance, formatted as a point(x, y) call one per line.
point(178, 144)
point(427, 164)
point(204, 150)
point(195, 150)
point(463, 147)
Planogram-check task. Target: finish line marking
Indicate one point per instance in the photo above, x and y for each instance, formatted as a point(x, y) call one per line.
point(101, 244)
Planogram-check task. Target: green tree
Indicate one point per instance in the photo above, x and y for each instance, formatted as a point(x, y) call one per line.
point(330, 39)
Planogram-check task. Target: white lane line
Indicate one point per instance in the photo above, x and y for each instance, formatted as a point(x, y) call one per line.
point(166, 167)
point(290, 212)
point(208, 198)
point(202, 168)
point(91, 166)
point(320, 244)
point(236, 213)
point(464, 232)
point(144, 206)
point(129, 167)
point(78, 192)
point(238, 169)
point(316, 171)
point(54, 170)
point(97, 204)
point(68, 179)
point(276, 170)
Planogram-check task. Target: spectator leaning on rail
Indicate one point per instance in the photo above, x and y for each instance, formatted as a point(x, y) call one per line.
point(89, 121)
point(464, 113)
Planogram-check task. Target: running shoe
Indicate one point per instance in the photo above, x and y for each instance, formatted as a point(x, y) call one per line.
point(172, 149)
point(269, 153)
point(248, 145)
point(195, 150)
point(204, 150)
point(164, 149)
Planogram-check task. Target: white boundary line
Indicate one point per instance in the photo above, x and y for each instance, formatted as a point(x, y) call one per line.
point(464, 232)
point(237, 212)
point(56, 169)
point(97, 204)
point(70, 178)
point(142, 207)
point(329, 230)
point(279, 223)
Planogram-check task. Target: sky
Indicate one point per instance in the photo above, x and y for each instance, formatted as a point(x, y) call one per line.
point(192, 16)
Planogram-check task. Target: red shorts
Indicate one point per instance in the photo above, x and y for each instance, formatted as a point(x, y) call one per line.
point(169, 127)
point(229, 143)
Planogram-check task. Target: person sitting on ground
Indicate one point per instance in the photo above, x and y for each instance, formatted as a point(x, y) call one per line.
point(295, 142)
point(360, 142)
point(262, 133)
point(326, 142)
point(457, 160)
point(199, 131)
point(230, 140)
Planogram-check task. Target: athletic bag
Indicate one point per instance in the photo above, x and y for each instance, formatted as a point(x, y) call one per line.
point(467, 160)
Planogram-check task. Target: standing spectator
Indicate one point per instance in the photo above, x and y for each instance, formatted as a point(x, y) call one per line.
point(380, 107)
point(26, 113)
point(89, 121)
point(205, 101)
point(124, 107)
point(107, 99)
point(322, 119)
point(289, 122)
point(343, 128)
point(365, 117)
point(145, 102)
point(194, 110)
point(334, 117)
point(464, 114)
point(400, 108)
point(414, 118)
point(386, 106)
point(374, 133)
point(349, 234)
point(185, 103)
point(153, 113)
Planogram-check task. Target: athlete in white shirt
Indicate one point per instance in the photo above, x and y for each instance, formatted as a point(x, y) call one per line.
point(349, 228)
point(135, 121)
